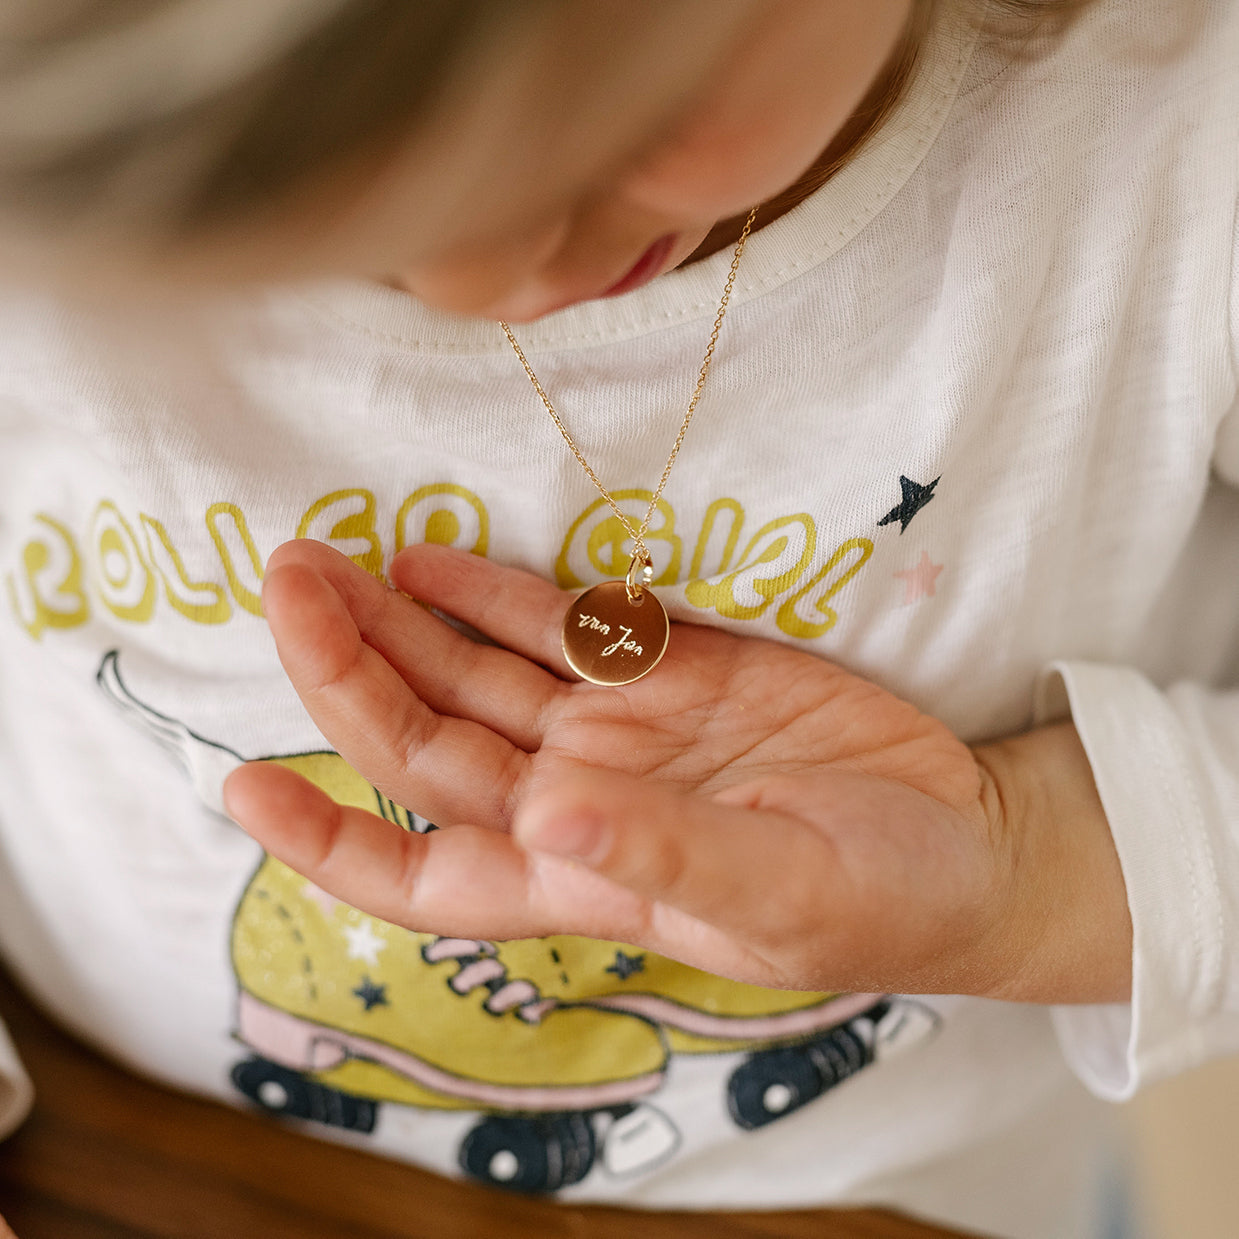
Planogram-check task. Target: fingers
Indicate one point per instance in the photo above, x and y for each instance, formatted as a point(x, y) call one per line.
point(472, 883)
point(461, 882)
point(519, 611)
point(445, 768)
point(362, 859)
point(449, 672)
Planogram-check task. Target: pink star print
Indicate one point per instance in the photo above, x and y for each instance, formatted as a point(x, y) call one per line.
point(919, 581)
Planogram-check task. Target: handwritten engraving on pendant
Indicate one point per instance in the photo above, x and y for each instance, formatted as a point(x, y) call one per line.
point(609, 639)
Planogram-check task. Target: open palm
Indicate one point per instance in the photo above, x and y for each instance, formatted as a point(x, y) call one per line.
point(746, 808)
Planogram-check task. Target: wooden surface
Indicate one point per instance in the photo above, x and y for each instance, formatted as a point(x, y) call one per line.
point(106, 1155)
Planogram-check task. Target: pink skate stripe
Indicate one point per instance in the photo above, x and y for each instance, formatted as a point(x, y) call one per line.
point(283, 1039)
point(477, 973)
point(305, 1046)
point(669, 1014)
point(514, 994)
point(533, 1012)
point(455, 948)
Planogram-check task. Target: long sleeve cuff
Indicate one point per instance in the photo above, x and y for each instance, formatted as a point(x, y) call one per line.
point(16, 1093)
point(1166, 766)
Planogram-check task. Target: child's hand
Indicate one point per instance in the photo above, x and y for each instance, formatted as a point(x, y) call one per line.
point(746, 808)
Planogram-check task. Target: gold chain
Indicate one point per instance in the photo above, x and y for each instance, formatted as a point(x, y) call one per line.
point(638, 533)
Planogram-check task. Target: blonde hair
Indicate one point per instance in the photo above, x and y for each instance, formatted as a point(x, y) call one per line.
point(173, 117)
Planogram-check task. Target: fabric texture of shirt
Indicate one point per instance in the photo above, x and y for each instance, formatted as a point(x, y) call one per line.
point(971, 431)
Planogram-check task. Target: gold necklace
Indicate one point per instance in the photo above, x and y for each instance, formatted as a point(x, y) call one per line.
point(616, 632)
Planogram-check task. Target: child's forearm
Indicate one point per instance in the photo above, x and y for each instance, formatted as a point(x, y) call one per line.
point(1070, 933)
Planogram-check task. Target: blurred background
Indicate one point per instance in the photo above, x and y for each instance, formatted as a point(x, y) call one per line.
point(1185, 1152)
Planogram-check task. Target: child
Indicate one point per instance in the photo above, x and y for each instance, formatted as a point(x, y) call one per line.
point(950, 550)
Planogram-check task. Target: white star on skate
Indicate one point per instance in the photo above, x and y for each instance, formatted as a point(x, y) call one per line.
point(364, 943)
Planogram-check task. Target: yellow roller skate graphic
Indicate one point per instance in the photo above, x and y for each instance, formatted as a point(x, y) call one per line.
point(559, 1042)
point(798, 1044)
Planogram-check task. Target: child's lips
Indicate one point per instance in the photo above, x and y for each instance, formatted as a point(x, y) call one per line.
point(644, 269)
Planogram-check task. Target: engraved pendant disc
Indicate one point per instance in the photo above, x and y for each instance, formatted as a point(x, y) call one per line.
point(609, 639)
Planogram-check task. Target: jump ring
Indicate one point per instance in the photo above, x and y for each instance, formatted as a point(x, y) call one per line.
point(641, 559)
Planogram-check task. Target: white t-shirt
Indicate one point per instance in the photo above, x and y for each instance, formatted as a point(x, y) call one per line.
point(971, 431)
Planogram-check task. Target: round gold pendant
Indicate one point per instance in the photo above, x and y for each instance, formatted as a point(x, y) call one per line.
point(610, 639)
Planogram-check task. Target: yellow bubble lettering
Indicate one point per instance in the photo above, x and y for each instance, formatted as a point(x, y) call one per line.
point(824, 585)
point(445, 514)
point(598, 545)
point(123, 579)
point(47, 591)
point(442, 527)
point(345, 519)
point(238, 553)
point(708, 539)
point(771, 564)
point(204, 602)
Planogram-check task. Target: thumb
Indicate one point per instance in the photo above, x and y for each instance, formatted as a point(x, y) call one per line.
point(730, 866)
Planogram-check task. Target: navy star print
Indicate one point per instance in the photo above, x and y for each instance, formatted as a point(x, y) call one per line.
point(372, 995)
point(626, 965)
point(915, 497)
